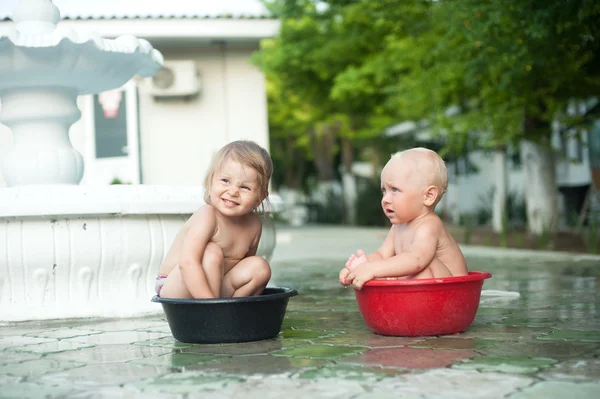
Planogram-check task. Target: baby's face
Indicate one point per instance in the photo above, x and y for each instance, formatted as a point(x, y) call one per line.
point(235, 189)
point(402, 191)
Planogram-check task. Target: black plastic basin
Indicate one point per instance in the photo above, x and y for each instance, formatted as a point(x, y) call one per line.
point(226, 320)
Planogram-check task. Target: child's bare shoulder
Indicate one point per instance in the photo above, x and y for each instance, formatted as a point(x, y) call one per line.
point(254, 223)
point(255, 219)
point(432, 224)
point(430, 227)
point(204, 214)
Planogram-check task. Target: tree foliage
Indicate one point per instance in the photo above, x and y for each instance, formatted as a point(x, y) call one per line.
point(478, 72)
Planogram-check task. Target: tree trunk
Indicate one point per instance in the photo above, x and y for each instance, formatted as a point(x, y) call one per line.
point(295, 210)
point(540, 187)
point(348, 181)
point(294, 171)
point(499, 214)
point(454, 209)
point(323, 141)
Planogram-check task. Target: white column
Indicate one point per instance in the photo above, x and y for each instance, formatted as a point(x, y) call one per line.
point(40, 119)
point(36, 16)
point(499, 213)
point(541, 194)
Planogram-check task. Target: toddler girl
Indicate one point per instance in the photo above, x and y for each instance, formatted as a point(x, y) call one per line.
point(214, 253)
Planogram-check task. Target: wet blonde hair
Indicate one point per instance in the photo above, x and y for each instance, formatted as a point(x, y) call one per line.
point(248, 153)
point(429, 163)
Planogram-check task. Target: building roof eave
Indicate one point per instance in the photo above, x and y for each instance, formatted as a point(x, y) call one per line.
point(171, 28)
point(144, 9)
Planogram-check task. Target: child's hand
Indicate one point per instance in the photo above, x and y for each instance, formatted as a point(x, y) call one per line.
point(359, 276)
point(351, 264)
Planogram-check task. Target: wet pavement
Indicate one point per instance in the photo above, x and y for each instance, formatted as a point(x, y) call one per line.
point(536, 335)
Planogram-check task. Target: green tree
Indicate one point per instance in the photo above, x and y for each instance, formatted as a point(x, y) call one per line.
point(524, 63)
point(492, 73)
point(316, 49)
point(304, 61)
point(481, 72)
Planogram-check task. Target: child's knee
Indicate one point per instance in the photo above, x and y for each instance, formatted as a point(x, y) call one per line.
point(213, 256)
point(261, 268)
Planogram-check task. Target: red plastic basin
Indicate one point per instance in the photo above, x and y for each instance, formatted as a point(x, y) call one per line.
point(421, 307)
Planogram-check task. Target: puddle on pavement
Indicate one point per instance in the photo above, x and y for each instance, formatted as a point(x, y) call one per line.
point(550, 329)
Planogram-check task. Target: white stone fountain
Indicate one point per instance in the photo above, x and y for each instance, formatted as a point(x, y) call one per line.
point(68, 250)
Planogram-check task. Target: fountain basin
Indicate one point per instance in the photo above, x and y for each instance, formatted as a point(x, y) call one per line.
point(227, 320)
point(86, 251)
point(421, 307)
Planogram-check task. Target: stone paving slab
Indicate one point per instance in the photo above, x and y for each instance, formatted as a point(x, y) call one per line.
point(543, 343)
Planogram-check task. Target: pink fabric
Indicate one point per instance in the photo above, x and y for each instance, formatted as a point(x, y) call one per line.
point(160, 281)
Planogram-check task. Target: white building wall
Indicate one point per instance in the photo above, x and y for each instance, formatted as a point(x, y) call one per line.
point(179, 137)
point(6, 144)
point(570, 170)
point(246, 100)
point(469, 192)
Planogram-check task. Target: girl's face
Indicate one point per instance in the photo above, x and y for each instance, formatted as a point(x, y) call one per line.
point(235, 189)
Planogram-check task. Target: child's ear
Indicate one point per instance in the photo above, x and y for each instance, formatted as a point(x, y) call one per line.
point(430, 195)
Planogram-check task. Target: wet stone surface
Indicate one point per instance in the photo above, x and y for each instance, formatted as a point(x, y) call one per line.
point(541, 341)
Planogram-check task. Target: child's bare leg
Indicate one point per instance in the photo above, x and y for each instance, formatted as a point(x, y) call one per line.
point(436, 269)
point(439, 269)
point(174, 287)
point(248, 278)
point(212, 263)
point(425, 273)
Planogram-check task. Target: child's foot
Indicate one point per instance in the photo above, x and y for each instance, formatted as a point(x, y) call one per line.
point(350, 261)
point(355, 260)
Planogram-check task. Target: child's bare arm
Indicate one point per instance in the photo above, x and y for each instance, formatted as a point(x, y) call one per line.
point(194, 244)
point(254, 246)
point(386, 250)
point(407, 263)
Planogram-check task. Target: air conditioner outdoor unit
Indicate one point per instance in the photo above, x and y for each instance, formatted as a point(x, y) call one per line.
point(176, 79)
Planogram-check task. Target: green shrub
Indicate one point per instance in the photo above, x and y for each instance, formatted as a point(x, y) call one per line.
point(332, 211)
point(591, 235)
point(368, 204)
